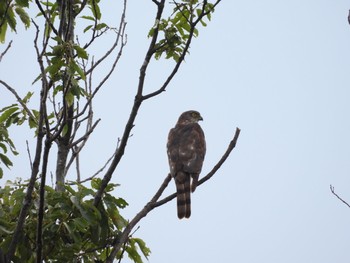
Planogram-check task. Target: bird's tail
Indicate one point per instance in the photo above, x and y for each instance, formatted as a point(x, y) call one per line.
point(183, 199)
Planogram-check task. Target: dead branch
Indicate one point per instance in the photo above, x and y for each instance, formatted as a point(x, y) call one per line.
point(337, 196)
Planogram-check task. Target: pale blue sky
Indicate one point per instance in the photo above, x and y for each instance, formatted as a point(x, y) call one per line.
point(279, 70)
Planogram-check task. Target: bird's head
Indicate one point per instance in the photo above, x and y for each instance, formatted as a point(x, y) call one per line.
point(190, 116)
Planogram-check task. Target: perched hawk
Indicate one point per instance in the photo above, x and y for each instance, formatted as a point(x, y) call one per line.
point(186, 151)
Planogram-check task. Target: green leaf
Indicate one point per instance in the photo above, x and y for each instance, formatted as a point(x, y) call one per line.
point(64, 130)
point(32, 123)
point(100, 26)
point(81, 223)
point(5, 160)
point(132, 252)
point(23, 16)
point(142, 245)
point(7, 114)
point(69, 98)
point(10, 18)
point(75, 67)
point(121, 203)
point(95, 10)
point(3, 146)
point(110, 187)
point(203, 23)
point(22, 3)
point(88, 18)
point(55, 67)
point(27, 97)
point(95, 183)
point(3, 30)
point(81, 52)
point(87, 28)
point(1, 173)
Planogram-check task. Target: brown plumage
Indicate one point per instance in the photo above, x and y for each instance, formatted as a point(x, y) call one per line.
point(186, 150)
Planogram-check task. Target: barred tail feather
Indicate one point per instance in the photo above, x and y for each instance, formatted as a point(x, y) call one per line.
point(181, 200)
point(187, 190)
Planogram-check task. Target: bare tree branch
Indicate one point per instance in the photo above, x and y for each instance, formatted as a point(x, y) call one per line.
point(28, 197)
point(153, 203)
point(5, 51)
point(336, 195)
point(137, 103)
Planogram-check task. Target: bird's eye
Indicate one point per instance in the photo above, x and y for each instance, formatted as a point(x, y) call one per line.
point(194, 114)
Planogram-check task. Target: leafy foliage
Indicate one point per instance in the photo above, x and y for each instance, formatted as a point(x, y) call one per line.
point(8, 12)
point(74, 229)
point(179, 26)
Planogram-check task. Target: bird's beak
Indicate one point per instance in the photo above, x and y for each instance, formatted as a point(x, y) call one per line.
point(200, 118)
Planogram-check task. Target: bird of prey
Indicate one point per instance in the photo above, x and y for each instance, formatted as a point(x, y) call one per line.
point(186, 150)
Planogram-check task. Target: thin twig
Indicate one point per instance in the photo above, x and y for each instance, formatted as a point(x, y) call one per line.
point(3, 53)
point(95, 174)
point(29, 156)
point(333, 192)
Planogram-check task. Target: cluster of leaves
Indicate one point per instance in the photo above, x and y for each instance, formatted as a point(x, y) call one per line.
point(13, 114)
point(63, 65)
point(74, 230)
point(179, 26)
point(8, 11)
